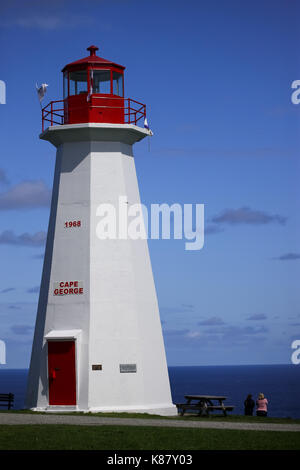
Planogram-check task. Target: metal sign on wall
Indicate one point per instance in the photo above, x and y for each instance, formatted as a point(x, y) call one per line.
point(125, 368)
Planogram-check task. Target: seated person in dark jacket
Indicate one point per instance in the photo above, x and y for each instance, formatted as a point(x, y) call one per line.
point(249, 405)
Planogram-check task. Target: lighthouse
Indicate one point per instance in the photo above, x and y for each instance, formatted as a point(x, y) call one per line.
point(98, 343)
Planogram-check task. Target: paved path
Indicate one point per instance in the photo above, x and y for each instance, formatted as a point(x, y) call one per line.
point(19, 418)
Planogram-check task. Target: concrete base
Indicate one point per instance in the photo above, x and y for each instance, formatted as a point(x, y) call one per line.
point(55, 409)
point(162, 410)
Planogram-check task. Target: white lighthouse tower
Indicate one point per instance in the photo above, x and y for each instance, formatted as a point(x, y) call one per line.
point(98, 344)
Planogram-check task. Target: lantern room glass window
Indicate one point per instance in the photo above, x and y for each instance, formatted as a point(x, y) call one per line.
point(78, 82)
point(117, 84)
point(65, 84)
point(100, 81)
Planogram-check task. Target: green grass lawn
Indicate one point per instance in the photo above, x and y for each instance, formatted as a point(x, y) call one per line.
point(69, 437)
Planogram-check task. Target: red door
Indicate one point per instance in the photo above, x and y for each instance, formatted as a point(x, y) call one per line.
point(61, 373)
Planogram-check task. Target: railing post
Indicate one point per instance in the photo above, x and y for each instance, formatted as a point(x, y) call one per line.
point(66, 112)
point(51, 113)
point(42, 119)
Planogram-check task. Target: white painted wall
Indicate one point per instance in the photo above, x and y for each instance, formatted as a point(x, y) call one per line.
point(118, 313)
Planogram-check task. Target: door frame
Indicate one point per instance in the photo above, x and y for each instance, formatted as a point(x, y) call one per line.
point(74, 335)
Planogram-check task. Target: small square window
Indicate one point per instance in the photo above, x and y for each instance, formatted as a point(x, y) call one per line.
point(117, 84)
point(78, 82)
point(100, 81)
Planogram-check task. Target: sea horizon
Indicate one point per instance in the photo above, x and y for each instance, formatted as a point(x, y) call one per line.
point(3, 367)
point(279, 382)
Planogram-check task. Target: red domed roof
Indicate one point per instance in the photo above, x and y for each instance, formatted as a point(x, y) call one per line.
point(92, 59)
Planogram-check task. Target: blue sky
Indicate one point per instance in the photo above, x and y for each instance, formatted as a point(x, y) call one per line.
point(216, 77)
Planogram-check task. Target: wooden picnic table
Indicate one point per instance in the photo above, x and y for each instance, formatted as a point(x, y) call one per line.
point(203, 404)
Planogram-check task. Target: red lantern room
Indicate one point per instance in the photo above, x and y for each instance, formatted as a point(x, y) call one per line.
point(93, 92)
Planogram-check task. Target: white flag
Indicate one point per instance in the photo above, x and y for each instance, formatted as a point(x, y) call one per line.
point(146, 125)
point(41, 91)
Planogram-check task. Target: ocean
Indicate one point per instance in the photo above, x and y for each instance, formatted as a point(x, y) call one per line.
point(279, 383)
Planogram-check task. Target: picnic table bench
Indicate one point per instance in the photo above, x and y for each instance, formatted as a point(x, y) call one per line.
point(6, 399)
point(203, 404)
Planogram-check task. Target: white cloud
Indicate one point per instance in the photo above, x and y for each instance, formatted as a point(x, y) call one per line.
point(193, 334)
point(39, 256)
point(51, 22)
point(211, 321)
point(25, 239)
point(257, 316)
point(22, 329)
point(246, 215)
point(3, 178)
point(25, 195)
point(33, 290)
point(8, 289)
point(289, 257)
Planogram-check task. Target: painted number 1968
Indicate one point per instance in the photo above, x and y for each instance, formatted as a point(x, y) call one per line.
point(74, 223)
